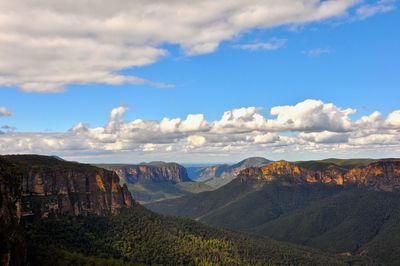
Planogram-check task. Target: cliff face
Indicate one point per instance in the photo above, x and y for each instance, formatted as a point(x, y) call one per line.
point(51, 186)
point(12, 250)
point(40, 186)
point(382, 175)
point(161, 172)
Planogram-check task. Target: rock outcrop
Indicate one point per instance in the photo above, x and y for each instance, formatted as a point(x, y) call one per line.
point(52, 186)
point(382, 175)
point(12, 249)
point(156, 172)
point(33, 186)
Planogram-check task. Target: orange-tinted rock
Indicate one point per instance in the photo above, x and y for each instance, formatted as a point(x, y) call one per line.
point(52, 186)
point(382, 175)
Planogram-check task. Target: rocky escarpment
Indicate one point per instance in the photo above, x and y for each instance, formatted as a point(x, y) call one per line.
point(12, 250)
point(382, 175)
point(49, 185)
point(39, 186)
point(157, 172)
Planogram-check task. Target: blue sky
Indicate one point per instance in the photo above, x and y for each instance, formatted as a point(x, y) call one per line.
point(358, 67)
point(360, 71)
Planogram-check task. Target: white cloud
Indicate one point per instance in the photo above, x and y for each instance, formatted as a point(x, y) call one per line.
point(193, 123)
point(272, 44)
point(46, 44)
point(393, 119)
point(5, 112)
point(266, 138)
point(149, 147)
point(381, 6)
point(382, 139)
point(311, 126)
point(240, 120)
point(325, 137)
point(196, 140)
point(311, 115)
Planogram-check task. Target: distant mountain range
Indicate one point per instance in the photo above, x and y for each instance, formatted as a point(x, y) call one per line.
point(158, 180)
point(221, 174)
point(349, 207)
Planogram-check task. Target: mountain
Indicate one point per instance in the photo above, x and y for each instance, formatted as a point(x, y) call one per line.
point(381, 175)
point(350, 207)
point(93, 229)
point(50, 185)
point(154, 181)
point(360, 221)
point(154, 171)
point(33, 186)
point(221, 174)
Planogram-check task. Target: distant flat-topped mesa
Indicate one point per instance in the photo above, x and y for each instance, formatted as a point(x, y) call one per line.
point(154, 171)
point(46, 185)
point(381, 174)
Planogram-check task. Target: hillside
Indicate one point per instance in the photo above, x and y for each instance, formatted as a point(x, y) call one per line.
point(351, 207)
point(221, 174)
point(140, 236)
point(358, 221)
point(131, 236)
point(240, 205)
point(149, 191)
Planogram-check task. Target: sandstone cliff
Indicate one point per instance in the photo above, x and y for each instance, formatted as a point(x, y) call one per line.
point(12, 250)
point(39, 186)
point(157, 172)
point(382, 175)
point(53, 186)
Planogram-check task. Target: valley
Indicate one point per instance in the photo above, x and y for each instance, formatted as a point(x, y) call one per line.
point(342, 207)
point(55, 212)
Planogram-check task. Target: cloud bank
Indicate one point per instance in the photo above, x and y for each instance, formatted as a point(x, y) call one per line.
point(48, 44)
point(310, 126)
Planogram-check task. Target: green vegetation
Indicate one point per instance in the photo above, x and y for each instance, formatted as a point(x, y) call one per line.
point(216, 182)
point(339, 163)
point(11, 234)
point(140, 236)
point(46, 164)
point(150, 191)
point(351, 220)
point(357, 221)
point(241, 205)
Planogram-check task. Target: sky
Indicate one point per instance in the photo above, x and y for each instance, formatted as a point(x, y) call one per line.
point(200, 81)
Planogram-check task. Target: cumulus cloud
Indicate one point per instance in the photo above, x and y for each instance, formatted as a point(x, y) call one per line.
point(240, 120)
point(310, 126)
point(325, 137)
point(266, 138)
point(196, 140)
point(46, 45)
point(393, 119)
point(311, 115)
point(5, 112)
